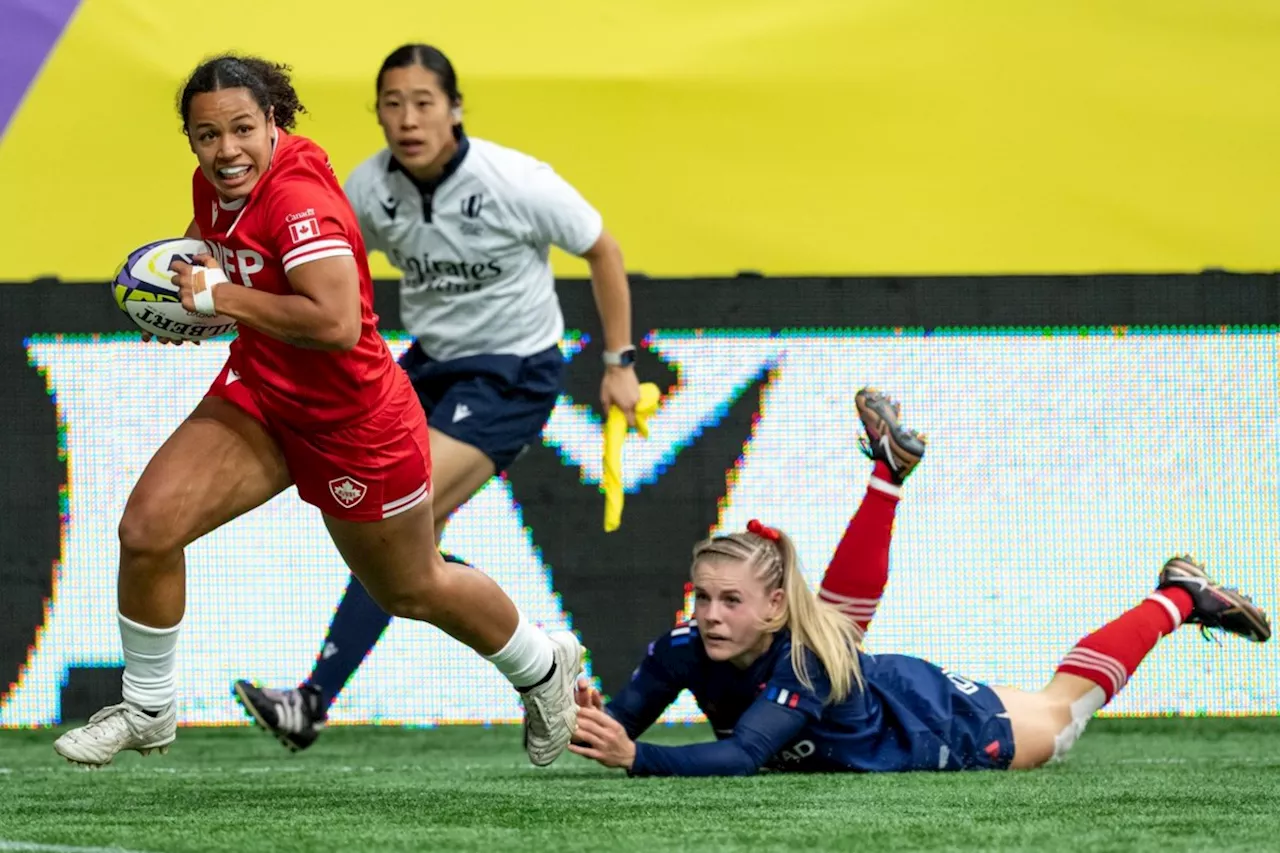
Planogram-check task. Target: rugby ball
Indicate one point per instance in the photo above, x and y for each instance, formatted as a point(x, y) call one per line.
point(143, 288)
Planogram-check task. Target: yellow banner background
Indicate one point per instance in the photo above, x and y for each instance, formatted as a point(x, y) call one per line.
point(785, 136)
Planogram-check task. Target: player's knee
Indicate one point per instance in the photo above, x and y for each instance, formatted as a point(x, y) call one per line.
point(146, 528)
point(426, 597)
point(412, 603)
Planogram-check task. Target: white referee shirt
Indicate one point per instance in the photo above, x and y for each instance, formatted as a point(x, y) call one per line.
point(472, 247)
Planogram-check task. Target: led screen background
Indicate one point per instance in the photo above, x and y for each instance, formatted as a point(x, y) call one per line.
point(1064, 467)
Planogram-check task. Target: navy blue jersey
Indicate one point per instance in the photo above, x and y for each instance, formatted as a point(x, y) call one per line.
point(910, 716)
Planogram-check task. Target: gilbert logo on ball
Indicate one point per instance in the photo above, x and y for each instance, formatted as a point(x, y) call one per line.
point(144, 289)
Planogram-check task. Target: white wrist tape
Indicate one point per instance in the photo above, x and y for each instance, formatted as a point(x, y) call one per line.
point(204, 280)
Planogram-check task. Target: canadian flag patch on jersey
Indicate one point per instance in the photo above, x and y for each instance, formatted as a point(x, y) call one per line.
point(347, 491)
point(303, 226)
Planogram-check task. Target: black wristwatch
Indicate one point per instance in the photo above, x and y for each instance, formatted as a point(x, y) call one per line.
point(621, 358)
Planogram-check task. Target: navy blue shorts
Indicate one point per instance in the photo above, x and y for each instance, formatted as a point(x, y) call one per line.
point(942, 721)
point(986, 732)
point(495, 403)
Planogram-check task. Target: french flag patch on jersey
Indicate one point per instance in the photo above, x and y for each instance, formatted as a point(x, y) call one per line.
point(682, 634)
point(783, 697)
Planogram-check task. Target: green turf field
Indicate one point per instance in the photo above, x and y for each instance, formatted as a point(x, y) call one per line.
point(1159, 785)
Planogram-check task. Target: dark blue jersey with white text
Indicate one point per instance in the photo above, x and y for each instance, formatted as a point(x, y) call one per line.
point(911, 715)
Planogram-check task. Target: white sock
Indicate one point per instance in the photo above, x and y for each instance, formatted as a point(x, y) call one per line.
point(527, 657)
point(1082, 711)
point(150, 661)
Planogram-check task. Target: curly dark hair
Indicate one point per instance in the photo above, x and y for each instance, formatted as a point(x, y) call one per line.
point(268, 82)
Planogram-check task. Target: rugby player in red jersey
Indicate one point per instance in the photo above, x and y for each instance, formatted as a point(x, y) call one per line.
point(310, 396)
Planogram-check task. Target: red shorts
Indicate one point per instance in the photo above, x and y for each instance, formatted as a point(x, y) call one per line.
point(375, 469)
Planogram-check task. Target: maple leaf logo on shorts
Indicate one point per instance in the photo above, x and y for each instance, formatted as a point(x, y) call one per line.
point(347, 491)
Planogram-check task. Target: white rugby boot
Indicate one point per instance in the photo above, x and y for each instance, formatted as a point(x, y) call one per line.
point(550, 713)
point(116, 728)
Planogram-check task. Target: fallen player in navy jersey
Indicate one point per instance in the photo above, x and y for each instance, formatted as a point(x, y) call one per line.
point(780, 676)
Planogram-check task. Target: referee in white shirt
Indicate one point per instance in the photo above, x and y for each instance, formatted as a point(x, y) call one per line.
point(469, 224)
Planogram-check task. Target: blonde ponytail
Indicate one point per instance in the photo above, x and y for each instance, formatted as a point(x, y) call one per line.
point(815, 625)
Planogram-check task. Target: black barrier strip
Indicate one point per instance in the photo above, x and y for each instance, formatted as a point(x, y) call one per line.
point(1206, 299)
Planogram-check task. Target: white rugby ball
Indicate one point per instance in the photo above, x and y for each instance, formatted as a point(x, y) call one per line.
point(143, 288)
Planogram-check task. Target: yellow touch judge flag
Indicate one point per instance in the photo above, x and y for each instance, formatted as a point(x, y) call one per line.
point(615, 434)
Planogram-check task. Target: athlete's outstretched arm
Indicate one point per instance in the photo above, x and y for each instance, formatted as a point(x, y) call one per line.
point(653, 686)
point(763, 731)
point(638, 705)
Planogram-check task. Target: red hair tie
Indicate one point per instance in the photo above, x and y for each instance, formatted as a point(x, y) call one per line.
point(759, 529)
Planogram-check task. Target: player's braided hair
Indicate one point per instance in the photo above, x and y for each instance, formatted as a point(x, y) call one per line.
point(816, 626)
point(268, 82)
